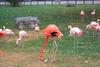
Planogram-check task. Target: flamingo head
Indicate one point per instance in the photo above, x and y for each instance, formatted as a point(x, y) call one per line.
point(69, 26)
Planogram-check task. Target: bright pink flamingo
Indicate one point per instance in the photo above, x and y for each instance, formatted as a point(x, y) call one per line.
point(2, 35)
point(50, 31)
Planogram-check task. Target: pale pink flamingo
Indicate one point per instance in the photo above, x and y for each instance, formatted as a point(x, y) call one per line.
point(37, 28)
point(82, 14)
point(98, 21)
point(93, 14)
point(76, 32)
point(93, 25)
point(50, 31)
point(22, 34)
point(7, 31)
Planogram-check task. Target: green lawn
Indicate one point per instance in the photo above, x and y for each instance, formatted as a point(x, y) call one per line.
point(87, 54)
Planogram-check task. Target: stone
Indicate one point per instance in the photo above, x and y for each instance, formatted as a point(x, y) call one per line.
point(28, 22)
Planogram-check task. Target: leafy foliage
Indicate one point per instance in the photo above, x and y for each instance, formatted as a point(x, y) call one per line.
point(15, 3)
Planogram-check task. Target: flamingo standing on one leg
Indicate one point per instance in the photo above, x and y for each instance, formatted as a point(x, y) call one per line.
point(76, 32)
point(36, 29)
point(53, 32)
point(82, 14)
point(21, 35)
point(93, 14)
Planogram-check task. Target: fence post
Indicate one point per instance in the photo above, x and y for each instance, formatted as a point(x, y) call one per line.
point(30, 2)
point(5, 2)
point(92, 2)
point(24, 2)
point(84, 1)
point(45, 2)
point(52, 2)
point(37, 2)
point(75, 2)
point(67, 1)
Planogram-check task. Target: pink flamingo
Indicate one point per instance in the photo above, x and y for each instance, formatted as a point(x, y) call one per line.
point(22, 34)
point(93, 14)
point(2, 34)
point(50, 31)
point(82, 14)
point(76, 32)
point(98, 21)
point(37, 28)
point(94, 26)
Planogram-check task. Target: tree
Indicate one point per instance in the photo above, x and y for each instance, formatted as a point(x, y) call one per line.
point(14, 3)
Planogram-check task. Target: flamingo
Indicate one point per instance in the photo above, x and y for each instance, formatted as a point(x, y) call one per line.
point(76, 32)
point(93, 25)
point(22, 34)
point(37, 28)
point(50, 31)
point(82, 13)
point(98, 21)
point(7, 31)
point(93, 14)
point(2, 34)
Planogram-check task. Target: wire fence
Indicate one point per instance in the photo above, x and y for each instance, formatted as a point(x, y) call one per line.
point(52, 2)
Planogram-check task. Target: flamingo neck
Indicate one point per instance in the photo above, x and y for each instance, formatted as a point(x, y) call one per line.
point(18, 40)
point(43, 47)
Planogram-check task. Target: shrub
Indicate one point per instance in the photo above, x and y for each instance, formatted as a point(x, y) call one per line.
point(14, 3)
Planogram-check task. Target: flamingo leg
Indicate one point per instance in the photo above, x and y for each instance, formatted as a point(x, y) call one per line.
point(55, 49)
point(82, 18)
point(77, 45)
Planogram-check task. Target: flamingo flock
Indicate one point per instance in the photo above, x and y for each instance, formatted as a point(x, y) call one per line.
point(52, 31)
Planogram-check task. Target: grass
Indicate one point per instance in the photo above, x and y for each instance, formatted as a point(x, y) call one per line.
point(27, 55)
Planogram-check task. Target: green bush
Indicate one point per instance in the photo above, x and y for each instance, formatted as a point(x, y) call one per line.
point(14, 3)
